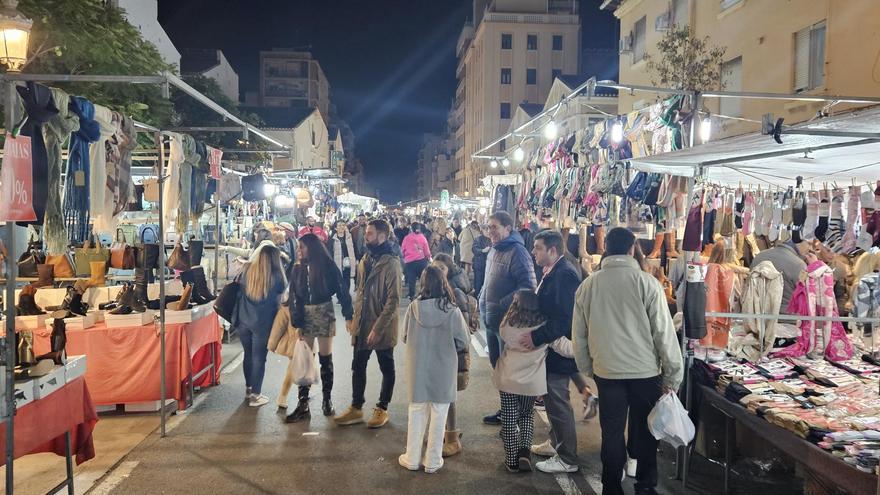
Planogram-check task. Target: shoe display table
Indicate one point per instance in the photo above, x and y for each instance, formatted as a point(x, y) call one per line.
point(124, 363)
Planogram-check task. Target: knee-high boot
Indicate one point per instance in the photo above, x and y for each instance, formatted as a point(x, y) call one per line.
point(302, 408)
point(327, 384)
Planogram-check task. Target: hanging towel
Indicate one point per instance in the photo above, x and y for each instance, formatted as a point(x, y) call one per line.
point(76, 188)
point(39, 107)
point(55, 133)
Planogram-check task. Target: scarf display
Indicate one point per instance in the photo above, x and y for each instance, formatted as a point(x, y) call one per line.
point(126, 137)
point(77, 188)
point(55, 132)
point(99, 209)
point(40, 108)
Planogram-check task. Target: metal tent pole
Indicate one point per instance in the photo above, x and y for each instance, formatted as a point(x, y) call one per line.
point(216, 243)
point(7, 343)
point(162, 391)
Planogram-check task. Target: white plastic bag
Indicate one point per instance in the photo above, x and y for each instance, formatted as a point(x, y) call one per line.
point(669, 421)
point(303, 362)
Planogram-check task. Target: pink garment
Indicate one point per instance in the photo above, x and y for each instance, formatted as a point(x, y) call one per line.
point(415, 247)
point(815, 297)
point(719, 293)
point(317, 230)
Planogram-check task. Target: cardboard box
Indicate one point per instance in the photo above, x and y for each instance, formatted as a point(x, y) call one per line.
point(30, 322)
point(24, 392)
point(45, 385)
point(98, 314)
point(189, 315)
point(74, 368)
point(75, 322)
point(131, 320)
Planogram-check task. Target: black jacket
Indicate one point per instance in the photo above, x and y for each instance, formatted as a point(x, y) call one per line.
point(556, 301)
point(480, 243)
point(305, 292)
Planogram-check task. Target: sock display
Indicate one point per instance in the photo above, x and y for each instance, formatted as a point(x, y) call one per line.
point(808, 231)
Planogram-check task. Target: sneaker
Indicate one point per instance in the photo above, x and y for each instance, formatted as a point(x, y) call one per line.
point(544, 449)
point(555, 465)
point(631, 466)
point(591, 407)
point(493, 419)
point(432, 470)
point(402, 461)
point(379, 419)
point(258, 400)
point(351, 416)
point(539, 404)
point(524, 459)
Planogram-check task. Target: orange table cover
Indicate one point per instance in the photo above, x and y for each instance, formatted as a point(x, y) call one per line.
point(123, 364)
point(40, 425)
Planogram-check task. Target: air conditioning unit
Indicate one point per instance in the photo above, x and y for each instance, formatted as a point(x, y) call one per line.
point(663, 21)
point(626, 43)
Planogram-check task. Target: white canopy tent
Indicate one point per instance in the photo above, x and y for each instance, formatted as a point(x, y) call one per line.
point(843, 148)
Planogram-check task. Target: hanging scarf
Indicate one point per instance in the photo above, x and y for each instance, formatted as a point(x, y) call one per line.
point(76, 188)
point(55, 132)
point(103, 174)
point(199, 183)
point(190, 157)
point(126, 137)
point(38, 104)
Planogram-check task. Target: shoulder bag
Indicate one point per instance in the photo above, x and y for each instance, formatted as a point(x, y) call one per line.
point(179, 258)
point(121, 253)
point(82, 257)
point(226, 301)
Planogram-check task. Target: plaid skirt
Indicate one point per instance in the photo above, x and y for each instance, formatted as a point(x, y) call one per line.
point(319, 321)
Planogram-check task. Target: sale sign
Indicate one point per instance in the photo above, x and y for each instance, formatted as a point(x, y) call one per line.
point(214, 158)
point(16, 188)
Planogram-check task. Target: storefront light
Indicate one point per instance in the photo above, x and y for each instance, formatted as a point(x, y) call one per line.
point(550, 130)
point(282, 201)
point(482, 211)
point(617, 132)
point(519, 154)
point(493, 164)
point(706, 128)
point(505, 163)
point(15, 30)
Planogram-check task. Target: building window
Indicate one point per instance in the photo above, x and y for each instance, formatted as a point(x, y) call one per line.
point(639, 32)
point(809, 57)
point(680, 13)
point(532, 42)
point(505, 76)
point(531, 76)
point(557, 42)
point(731, 80)
point(556, 73)
point(506, 41)
point(502, 146)
point(726, 4)
point(505, 110)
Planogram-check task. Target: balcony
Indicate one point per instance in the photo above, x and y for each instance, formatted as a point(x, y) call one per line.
point(464, 39)
point(532, 18)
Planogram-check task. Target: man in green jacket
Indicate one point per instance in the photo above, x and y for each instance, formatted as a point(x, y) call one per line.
point(374, 325)
point(624, 337)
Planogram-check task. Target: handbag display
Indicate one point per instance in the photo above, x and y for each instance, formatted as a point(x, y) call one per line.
point(82, 257)
point(225, 303)
point(148, 234)
point(121, 253)
point(179, 258)
point(151, 190)
point(63, 265)
point(27, 263)
point(253, 187)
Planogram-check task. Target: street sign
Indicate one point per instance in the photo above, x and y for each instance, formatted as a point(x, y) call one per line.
point(16, 181)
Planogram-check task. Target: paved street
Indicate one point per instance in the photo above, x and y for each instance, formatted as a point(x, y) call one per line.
point(224, 446)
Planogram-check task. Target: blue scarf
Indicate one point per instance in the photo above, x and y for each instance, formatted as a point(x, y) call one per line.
point(76, 197)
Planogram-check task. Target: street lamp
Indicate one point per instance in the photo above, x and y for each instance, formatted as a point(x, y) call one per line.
point(505, 163)
point(519, 154)
point(550, 130)
point(15, 30)
point(493, 164)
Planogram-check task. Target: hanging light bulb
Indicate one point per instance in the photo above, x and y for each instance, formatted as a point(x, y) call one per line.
point(617, 132)
point(493, 164)
point(505, 163)
point(550, 130)
point(270, 189)
point(519, 154)
point(706, 128)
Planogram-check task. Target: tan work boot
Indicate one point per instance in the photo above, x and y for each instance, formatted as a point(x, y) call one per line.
point(658, 246)
point(379, 419)
point(452, 443)
point(351, 416)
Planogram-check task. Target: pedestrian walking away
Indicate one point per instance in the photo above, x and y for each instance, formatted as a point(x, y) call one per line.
point(416, 255)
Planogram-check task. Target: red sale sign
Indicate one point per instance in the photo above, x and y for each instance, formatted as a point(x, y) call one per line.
point(16, 188)
point(214, 158)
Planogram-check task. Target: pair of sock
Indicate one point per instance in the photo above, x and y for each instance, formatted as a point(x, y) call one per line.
point(851, 232)
point(821, 231)
point(811, 222)
point(748, 213)
point(836, 224)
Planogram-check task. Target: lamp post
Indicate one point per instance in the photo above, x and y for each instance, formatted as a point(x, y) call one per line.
point(15, 31)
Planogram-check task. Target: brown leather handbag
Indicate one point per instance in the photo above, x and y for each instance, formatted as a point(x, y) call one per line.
point(179, 258)
point(121, 253)
point(63, 265)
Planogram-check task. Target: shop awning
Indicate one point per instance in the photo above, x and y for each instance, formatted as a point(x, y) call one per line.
point(758, 159)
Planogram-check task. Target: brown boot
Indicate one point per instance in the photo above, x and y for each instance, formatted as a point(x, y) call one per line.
point(671, 252)
point(184, 298)
point(46, 276)
point(658, 246)
point(599, 233)
point(99, 273)
point(452, 443)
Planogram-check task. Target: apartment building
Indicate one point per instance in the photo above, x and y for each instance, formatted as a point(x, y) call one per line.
point(508, 55)
point(211, 63)
point(290, 78)
point(435, 166)
point(806, 47)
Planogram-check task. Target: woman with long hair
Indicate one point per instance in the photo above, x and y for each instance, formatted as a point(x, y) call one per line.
point(341, 247)
point(416, 254)
point(262, 284)
point(435, 332)
point(314, 280)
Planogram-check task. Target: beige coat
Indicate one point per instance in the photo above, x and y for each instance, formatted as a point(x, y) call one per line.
point(519, 370)
point(283, 336)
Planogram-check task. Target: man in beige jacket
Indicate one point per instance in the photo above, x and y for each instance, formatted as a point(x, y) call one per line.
point(624, 337)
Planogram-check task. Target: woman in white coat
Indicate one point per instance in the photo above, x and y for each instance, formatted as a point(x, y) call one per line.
point(341, 247)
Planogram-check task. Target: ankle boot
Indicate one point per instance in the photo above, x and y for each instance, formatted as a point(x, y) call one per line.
point(27, 305)
point(113, 304)
point(451, 443)
point(671, 252)
point(46, 274)
point(77, 306)
point(126, 301)
point(658, 246)
point(184, 298)
point(599, 233)
point(200, 285)
point(99, 273)
point(196, 248)
point(58, 342)
point(302, 409)
point(327, 384)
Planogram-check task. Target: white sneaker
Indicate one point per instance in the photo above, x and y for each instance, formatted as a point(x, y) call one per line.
point(432, 470)
point(555, 465)
point(631, 465)
point(258, 400)
point(544, 449)
point(401, 459)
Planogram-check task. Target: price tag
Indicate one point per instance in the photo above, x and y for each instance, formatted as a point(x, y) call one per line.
point(16, 189)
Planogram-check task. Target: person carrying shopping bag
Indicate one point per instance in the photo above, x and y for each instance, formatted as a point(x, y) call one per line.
point(435, 331)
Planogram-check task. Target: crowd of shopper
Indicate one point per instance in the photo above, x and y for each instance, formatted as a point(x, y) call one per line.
point(544, 326)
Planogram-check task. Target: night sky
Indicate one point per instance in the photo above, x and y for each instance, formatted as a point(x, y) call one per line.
point(390, 63)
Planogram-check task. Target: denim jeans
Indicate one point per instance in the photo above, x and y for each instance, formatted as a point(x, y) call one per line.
point(496, 345)
point(255, 351)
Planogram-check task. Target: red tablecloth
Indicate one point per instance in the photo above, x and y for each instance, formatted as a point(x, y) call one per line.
point(123, 364)
point(40, 425)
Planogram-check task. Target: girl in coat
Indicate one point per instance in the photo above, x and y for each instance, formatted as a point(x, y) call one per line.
point(521, 376)
point(435, 331)
point(341, 247)
point(262, 284)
